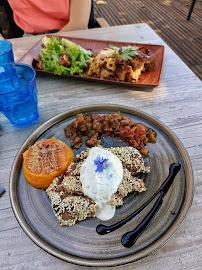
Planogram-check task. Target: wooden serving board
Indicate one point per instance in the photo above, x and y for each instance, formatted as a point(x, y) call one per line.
point(148, 79)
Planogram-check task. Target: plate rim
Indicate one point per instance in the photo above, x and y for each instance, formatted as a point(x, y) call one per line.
point(163, 239)
point(131, 84)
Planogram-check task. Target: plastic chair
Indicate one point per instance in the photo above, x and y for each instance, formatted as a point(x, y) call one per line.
point(16, 31)
point(96, 22)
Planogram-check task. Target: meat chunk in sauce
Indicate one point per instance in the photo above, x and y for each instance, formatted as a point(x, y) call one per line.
point(114, 125)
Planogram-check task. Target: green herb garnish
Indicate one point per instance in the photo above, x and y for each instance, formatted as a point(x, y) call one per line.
point(126, 52)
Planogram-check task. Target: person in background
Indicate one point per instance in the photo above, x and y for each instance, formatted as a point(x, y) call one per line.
point(49, 16)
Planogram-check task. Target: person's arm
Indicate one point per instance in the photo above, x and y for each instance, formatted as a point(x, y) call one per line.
point(78, 15)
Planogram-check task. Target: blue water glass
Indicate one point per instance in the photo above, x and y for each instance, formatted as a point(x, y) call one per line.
point(6, 52)
point(8, 78)
point(18, 94)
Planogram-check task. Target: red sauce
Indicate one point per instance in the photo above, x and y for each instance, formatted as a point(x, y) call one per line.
point(113, 125)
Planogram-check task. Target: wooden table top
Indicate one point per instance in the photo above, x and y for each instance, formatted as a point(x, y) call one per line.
point(176, 102)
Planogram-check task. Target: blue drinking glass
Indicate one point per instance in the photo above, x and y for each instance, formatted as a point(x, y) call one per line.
point(18, 94)
point(6, 52)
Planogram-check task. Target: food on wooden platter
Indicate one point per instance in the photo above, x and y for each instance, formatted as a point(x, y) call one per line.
point(63, 57)
point(120, 64)
point(96, 184)
point(45, 160)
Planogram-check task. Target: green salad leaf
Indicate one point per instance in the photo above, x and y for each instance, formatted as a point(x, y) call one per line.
point(53, 48)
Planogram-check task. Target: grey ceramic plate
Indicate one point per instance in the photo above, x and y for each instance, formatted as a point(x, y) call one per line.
point(81, 244)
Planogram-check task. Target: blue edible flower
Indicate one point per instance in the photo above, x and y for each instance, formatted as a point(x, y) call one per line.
point(100, 162)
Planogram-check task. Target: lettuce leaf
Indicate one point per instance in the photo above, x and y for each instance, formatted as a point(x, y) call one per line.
point(53, 48)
